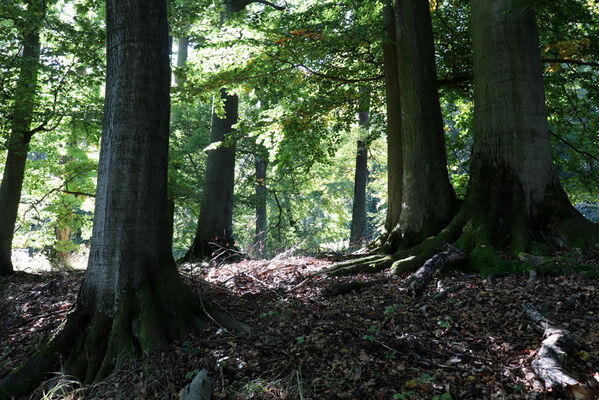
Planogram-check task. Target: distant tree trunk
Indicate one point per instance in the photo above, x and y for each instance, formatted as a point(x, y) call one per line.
point(358, 222)
point(63, 238)
point(260, 235)
point(514, 198)
point(214, 234)
point(390, 238)
point(20, 136)
point(182, 53)
point(132, 299)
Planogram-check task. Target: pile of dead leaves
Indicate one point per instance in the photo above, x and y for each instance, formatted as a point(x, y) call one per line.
point(318, 342)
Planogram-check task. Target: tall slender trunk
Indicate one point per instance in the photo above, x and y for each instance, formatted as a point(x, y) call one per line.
point(18, 142)
point(421, 200)
point(358, 222)
point(261, 223)
point(390, 238)
point(214, 234)
point(182, 53)
point(427, 202)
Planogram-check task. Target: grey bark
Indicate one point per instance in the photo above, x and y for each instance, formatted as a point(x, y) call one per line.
point(510, 119)
point(20, 136)
point(427, 202)
point(130, 234)
point(394, 141)
point(548, 362)
point(132, 299)
point(182, 53)
point(512, 179)
point(214, 233)
point(358, 229)
point(261, 222)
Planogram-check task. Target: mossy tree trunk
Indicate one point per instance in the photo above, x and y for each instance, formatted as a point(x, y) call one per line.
point(428, 200)
point(421, 200)
point(132, 299)
point(514, 200)
point(20, 136)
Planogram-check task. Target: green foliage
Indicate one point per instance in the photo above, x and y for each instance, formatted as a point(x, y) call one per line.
point(373, 330)
point(445, 323)
point(298, 74)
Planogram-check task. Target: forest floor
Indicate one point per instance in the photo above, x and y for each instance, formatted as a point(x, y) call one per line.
point(373, 342)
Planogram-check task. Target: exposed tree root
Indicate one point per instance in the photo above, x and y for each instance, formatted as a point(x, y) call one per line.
point(424, 274)
point(481, 232)
point(548, 363)
point(91, 344)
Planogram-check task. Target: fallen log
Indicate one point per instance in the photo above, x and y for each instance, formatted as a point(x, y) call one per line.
point(418, 280)
point(548, 362)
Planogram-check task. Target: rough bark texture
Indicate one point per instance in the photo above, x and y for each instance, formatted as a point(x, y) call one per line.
point(358, 222)
point(418, 280)
point(260, 235)
point(428, 200)
point(390, 238)
point(20, 136)
point(132, 299)
point(514, 201)
point(358, 229)
point(514, 198)
point(214, 234)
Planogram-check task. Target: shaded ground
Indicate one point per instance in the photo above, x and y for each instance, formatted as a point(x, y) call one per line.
point(370, 343)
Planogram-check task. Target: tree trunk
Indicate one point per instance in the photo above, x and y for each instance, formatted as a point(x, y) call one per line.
point(63, 238)
point(514, 198)
point(175, 117)
point(428, 201)
point(358, 222)
point(132, 299)
point(260, 236)
point(20, 136)
point(214, 234)
point(390, 238)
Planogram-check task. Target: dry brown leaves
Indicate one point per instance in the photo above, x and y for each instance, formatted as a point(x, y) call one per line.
point(378, 343)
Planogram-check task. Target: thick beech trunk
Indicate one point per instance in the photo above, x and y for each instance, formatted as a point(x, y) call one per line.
point(428, 201)
point(514, 199)
point(214, 234)
point(261, 222)
point(358, 223)
point(20, 136)
point(132, 299)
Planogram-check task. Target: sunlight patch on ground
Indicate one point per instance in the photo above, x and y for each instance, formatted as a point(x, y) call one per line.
point(23, 261)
